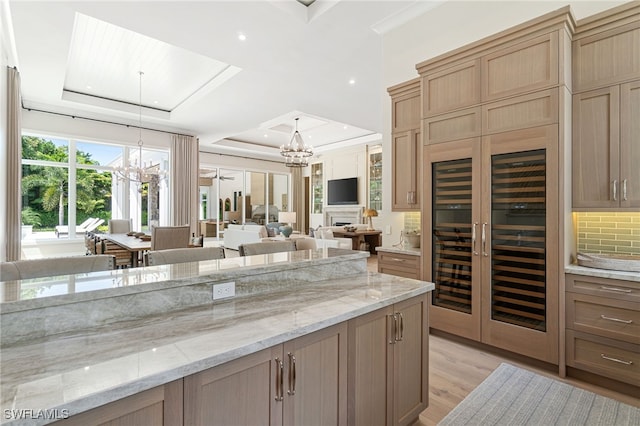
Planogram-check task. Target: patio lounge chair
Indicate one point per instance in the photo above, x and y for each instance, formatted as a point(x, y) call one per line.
point(87, 226)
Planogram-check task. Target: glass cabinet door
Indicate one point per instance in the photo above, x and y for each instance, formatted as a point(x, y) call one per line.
point(518, 239)
point(452, 234)
point(317, 188)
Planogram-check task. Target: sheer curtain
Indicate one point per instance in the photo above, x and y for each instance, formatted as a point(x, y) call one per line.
point(13, 167)
point(184, 181)
point(297, 184)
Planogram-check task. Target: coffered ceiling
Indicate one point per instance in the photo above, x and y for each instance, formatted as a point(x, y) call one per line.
point(235, 73)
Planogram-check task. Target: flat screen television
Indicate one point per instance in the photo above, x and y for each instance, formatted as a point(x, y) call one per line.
point(342, 191)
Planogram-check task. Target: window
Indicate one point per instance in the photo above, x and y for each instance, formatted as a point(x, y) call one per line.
point(375, 178)
point(67, 182)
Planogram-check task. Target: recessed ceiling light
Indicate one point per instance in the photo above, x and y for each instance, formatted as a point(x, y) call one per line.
point(266, 135)
point(352, 82)
point(242, 37)
point(88, 87)
point(155, 102)
point(345, 127)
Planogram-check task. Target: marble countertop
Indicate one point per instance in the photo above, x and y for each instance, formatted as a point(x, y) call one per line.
point(400, 250)
point(602, 273)
point(82, 370)
point(43, 292)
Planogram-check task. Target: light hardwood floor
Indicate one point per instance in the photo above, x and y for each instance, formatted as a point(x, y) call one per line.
point(455, 369)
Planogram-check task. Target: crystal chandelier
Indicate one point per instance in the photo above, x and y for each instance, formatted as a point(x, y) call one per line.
point(296, 153)
point(139, 173)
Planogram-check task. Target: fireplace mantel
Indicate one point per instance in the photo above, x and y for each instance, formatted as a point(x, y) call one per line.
point(345, 214)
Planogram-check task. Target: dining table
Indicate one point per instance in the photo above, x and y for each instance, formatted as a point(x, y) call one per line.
point(133, 244)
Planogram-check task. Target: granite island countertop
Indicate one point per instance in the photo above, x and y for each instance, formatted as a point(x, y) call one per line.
point(84, 369)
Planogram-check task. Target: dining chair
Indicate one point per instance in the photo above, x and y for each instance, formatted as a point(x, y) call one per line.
point(181, 255)
point(305, 243)
point(53, 266)
point(120, 226)
point(170, 237)
point(123, 257)
point(266, 247)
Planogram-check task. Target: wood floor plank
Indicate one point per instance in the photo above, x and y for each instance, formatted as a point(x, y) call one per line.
point(455, 369)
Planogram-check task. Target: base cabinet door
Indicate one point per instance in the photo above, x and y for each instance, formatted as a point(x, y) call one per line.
point(388, 365)
point(301, 382)
point(241, 392)
point(161, 405)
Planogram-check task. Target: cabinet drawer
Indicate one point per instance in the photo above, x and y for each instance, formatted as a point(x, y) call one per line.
point(535, 109)
point(453, 126)
point(606, 357)
point(401, 265)
point(522, 68)
point(605, 317)
point(604, 287)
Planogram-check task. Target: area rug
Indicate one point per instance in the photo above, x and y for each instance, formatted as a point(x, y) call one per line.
point(513, 396)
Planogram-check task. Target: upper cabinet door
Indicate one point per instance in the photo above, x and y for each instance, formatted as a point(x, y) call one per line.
point(405, 150)
point(453, 88)
point(596, 148)
point(607, 57)
point(527, 66)
point(406, 112)
point(630, 145)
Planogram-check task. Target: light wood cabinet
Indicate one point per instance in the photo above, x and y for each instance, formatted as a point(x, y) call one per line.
point(161, 405)
point(606, 48)
point(524, 67)
point(388, 364)
point(303, 381)
point(453, 88)
point(452, 126)
point(532, 110)
point(406, 148)
point(603, 331)
point(406, 145)
point(606, 148)
point(492, 239)
point(399, 264)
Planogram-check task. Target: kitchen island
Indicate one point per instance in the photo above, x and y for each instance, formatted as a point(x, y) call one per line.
point(299, 314)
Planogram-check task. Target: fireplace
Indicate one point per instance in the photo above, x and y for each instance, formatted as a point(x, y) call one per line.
point(341, 216)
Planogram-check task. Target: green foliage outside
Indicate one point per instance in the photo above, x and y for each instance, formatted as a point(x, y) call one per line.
point(45, 188)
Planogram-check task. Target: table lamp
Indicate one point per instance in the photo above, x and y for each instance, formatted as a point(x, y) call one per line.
point(286, 217)
point(369, 213)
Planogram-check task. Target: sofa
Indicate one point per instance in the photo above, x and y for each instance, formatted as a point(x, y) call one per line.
point(235, 235)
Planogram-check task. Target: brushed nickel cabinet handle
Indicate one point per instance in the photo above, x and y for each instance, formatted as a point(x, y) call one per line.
point(279, 380)
point(398, 260)
point(624, 190)
point(620, 361)
point(292, 374)
point(391, 328)
point(408, 197)
point(618, 290)
point(484, 240)
point(473, 238)
point(615, 190)
point(616, 319)
point(401, 326)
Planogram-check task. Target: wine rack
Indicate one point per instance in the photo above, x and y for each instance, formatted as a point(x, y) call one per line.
point(452, 234)
point(518, 239)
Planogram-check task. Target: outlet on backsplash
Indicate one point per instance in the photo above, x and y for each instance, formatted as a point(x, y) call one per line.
point(608, 232)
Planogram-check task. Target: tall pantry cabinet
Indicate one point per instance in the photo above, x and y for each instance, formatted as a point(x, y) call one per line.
point(493, 197)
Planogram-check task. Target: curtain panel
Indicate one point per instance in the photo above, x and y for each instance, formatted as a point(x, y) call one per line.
point(13, 171)
point(297, 184)
point(184, 181)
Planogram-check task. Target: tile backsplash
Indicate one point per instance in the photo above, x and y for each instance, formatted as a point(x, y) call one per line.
point(412, 221)
point(608, 232)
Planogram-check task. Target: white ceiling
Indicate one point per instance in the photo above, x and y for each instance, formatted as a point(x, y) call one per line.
point(321, 63)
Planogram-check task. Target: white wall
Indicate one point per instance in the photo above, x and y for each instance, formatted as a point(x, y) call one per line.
point(453, 24)
point(3, 151)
